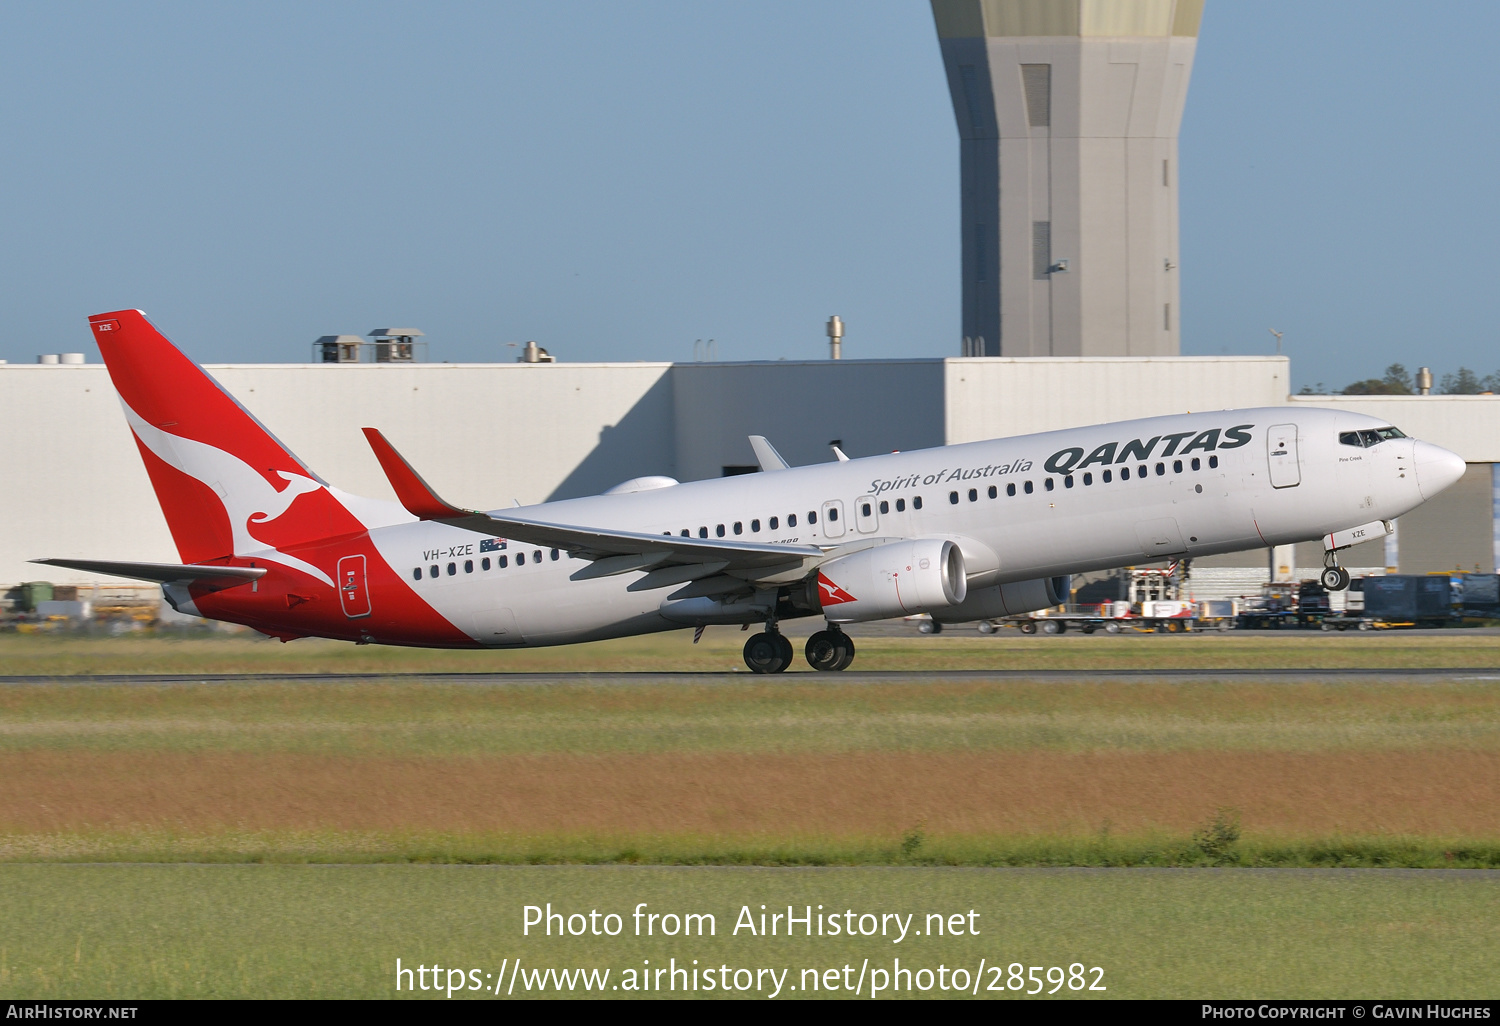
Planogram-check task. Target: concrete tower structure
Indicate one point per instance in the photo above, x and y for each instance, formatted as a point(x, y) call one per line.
point(1068, 112)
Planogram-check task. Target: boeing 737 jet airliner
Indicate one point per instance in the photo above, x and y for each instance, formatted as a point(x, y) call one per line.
point(962, 532)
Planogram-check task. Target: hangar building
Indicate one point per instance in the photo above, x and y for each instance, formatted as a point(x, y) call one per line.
point(486, 435)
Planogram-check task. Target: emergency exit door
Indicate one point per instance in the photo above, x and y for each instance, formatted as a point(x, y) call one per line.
point(354, 593)
point(1281, 452)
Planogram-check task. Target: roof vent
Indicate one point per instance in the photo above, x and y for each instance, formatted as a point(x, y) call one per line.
point(396, 345)
point(338, 348)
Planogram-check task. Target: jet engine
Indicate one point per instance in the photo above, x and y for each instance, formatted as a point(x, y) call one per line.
point(1007, 600)
point(898, 579)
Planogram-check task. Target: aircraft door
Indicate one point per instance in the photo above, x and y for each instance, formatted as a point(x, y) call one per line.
point(354, 592)
point(866, 519)
point(833, 519)
point(1281, 451)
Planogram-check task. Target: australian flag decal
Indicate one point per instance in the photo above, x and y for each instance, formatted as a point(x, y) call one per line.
point(492, 545)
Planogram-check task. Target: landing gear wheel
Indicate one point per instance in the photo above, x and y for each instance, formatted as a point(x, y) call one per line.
point(1053, 626)
point(825, 651)
point(846, 650)
point(1334, 578)
point(767, 652)
point(788, 652)
point(1027, 627)
point(985, 627)
point(929, 627)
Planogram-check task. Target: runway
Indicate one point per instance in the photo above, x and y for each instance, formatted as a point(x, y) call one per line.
point(1293, 675)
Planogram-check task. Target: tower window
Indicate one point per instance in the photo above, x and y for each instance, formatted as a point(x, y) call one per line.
point(1036, 79)
point(1166, 317)
point(1041, 250)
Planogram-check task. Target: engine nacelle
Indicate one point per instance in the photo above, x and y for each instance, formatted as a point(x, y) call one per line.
point(898, 579)
point(1007, 600)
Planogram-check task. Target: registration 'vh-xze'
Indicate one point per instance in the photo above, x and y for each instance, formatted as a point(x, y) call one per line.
point(961, 532)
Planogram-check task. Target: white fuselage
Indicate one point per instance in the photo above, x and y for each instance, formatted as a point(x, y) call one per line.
point(1022, 508)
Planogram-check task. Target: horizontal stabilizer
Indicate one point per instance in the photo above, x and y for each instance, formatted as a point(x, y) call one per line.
point(415, 494)
point(164, 573)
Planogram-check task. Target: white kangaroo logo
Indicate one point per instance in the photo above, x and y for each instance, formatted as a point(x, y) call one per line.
point(248, 497)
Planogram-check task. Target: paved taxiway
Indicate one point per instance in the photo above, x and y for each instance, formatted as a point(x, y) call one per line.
point(1415, 675)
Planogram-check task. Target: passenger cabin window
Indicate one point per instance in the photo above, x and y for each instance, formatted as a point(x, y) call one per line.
point(1088, 478)
point(1108, 476)
point(432, 571)
point(885, 507)
point(973, 494)
point(468, 566)
point(812, 516)
point(993, 492)
point(1176, 466)
point(1197, 463)
point(484, 564)
point(755, 527)
point(1028, 487)
point(504, 562)
point(1049, 484)
point(953, 498)
point(719, 531)
point(556, 555)
point(452, 569)
point(520, 559)
point(1213, 461)
point(416, 574)
point(739, 527)
point(1161, 470)
point(916, 502)
point(1124, 473)
point(1068, 481)
point(536, 557)
point(864, 509)
point(791, 518)
point(702, 532)
point(1010, 489)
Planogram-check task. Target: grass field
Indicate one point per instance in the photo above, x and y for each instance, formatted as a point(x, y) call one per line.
point(719, 651)
point(799, 770)
point(337, 931)
point(350, 823)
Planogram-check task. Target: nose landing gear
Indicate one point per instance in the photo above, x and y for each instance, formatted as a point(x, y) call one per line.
point(1333, 577)
point(768, 651)
point(830, 650)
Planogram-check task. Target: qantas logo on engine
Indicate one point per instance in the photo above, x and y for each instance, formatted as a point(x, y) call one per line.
point(830, 594)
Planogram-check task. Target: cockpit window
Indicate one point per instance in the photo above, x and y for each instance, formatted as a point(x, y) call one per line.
point(1367, 438)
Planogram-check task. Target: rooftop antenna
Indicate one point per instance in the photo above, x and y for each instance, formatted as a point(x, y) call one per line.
point(1278, 335)
point(835, 331)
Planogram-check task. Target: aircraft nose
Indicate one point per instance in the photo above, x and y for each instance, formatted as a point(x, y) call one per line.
point(1437, 468)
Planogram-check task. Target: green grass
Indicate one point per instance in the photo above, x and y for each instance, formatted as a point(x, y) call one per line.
point(336, 931)
point(1102, 851)
point(56, 654)
point(435, 719)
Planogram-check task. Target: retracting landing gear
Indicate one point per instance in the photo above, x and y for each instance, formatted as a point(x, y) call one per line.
point(768, 651)
point(830, 650)
point(1333, 577)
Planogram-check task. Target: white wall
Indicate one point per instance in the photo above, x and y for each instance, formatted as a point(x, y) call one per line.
point(72, 484)
point(993, 398)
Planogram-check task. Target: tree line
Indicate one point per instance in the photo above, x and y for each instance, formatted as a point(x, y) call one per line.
point(1397, 380)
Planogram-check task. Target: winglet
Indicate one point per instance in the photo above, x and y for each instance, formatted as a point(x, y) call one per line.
point(415, 494)
point(766, 454)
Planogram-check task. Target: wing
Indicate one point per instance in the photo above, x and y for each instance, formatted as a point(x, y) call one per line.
point(668, 559)
point(219, 577)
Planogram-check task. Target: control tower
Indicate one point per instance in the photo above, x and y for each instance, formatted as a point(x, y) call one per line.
point(1068, 112)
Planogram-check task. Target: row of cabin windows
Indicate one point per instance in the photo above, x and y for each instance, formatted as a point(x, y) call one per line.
point(501, 562)
point(774, 523)
point(1106, 476)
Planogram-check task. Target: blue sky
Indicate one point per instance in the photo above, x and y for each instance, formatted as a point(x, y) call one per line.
point(617, 180)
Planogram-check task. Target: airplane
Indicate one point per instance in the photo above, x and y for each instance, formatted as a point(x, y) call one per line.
point(961, 532)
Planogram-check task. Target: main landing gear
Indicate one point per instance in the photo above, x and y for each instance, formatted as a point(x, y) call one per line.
point(768, 651)
point(830, 650)
point(827, 650)
point(1333, 577)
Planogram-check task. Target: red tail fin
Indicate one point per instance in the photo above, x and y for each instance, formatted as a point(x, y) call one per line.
point(225, 484)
